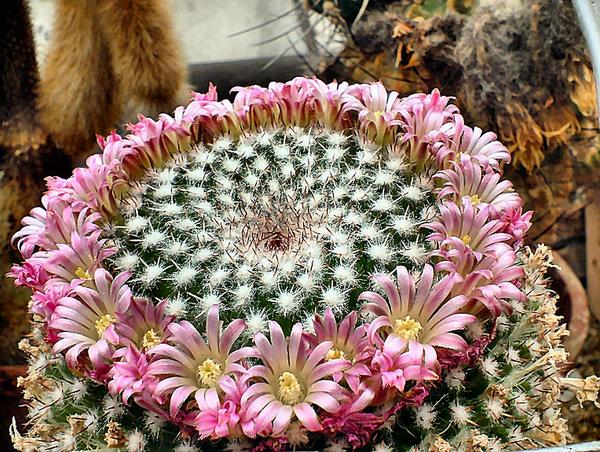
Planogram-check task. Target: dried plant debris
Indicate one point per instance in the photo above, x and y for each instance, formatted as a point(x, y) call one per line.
point(519, 68)
point(523, 74)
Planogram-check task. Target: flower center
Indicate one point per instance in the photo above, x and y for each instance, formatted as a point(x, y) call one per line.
point(335, 353)
point(104, 322)
point(466, 239)
point(209, 372)
point(83, 274)
point(150, 339)
point(290, 391)
point(408, 328)
point(475, 199)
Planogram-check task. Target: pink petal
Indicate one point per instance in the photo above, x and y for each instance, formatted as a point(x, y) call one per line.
point(307, 417)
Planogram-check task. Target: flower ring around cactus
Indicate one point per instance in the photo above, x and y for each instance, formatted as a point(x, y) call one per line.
point(323, 266)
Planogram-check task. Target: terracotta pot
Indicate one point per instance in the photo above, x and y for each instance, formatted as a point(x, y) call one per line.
point(573, 304)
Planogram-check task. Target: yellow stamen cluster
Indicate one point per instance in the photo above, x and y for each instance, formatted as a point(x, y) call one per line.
point(104, 322)
point(82, 273)
point(408, 328)
point(209, 372)
point(335, 353)
point(290, 391)
point(150, 339)
point(475, 199)
point(466, 239)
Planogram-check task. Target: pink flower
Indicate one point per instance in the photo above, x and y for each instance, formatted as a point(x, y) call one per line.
point(218, 418)
point(482, 186)
point(254, 105)
point(353, 422)
point(291, 380)
point(348, 342)
point(457, 138)
point(154, 142)
point(114, 147)
point(293, 101)
point(30, 274)
point(45, 301)
point(377, 112)
point(189, 366)
point(393, 366)
point(422, 116)
point(130, 376)
point(516, 223)
point(462, 229)
point(53, 224)
point(328, 103)
point(143, 325)
point(27, 238)
point(77, 260)
point(492, 283)
point(424, 315)
point(86, 324)
point(209, 96)
point(91, 187)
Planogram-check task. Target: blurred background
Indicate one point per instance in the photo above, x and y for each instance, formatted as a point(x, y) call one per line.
point(72, 68)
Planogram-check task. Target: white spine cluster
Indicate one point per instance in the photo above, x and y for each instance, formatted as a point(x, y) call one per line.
point(278, 225)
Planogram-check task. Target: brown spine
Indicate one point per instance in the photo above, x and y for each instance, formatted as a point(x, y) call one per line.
point(79, 92)
point(146, 56)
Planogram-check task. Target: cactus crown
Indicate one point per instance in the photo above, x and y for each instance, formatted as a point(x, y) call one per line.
point(279, 224)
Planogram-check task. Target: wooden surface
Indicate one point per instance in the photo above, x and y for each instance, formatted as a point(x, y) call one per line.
point(592, 227)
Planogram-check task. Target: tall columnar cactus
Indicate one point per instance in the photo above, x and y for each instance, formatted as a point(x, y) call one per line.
point(318, 266)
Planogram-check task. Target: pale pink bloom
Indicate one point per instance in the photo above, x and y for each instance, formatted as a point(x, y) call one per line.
point(516, 223)
point(77, 260)
point(219, 416)
point(462, 229)
point(89, 187)
point(129, 377)
point(27, 238)
point(291, 380)
point(151, 146)
point(492, 283)
point(426, 314)
point(378, 115)
point(44, 302)
point(225, 120)
point(189, 366)
point(457, 138)
point(348, 342)
point(53, 223)
point(61, 223)
point(356, 424)
point(86, 324)
point(254, 106)
point(45, 228)
point(153, 142)
point(371, 97)
point(30, 274)
point(484, 188)
point(422, 116)
point(293, 101)
point(114, 147)
point(328, 103)
point(398, 362)
point(144, 325)
point(210, 96)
